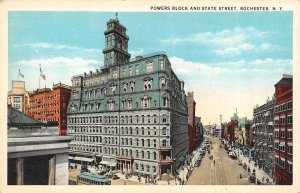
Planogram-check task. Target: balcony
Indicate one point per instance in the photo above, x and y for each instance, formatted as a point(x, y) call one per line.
point(123, 157)
point(165, 148)
point(165, 161)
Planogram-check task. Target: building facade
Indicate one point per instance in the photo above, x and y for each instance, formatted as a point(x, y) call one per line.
point(249, 134)
point(263, 136)
point(48, 105)
point(18, 97)
point(283, 131)
point(36, 154)
point(191, 121)
point(132, 114)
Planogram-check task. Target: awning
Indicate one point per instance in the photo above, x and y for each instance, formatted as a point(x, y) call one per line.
point(112, 164)
point(84, 159)
point(104, 162)
point(276, 118)
point(270, 123)
point(289, 162)
point(70, 157)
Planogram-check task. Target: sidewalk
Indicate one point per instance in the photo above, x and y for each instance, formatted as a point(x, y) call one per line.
point(260, 173)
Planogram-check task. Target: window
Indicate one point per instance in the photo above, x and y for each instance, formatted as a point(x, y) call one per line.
point(123, 104)
point(148, 142)
point(137, 70)
point(154, 169)
point(165, 101)
point(162, 65)
point(164, 131)
point(154, 142)
point(115, 73)
point(143, 155)
point(290, 149)
point(130, 71)
point(282, 146)
point(124, 72)
point(154, 155)
point(163, 83)
point(130, 106)
point(164, 143)
point(148, 154)
point(154, 118)
point(148, 84)
point(145, 102)
point(289, 134)
point(290, 166)
point(143, 142)
point(132, 86)
point(150, 67)
point(125, 88)
point(137, 153)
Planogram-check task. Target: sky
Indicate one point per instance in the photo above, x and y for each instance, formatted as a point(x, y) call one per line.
point(230, 60)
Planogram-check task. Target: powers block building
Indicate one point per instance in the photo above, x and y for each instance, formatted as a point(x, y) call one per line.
point(130, 115)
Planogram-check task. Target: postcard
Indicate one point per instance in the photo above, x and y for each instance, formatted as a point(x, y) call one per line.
point(180, 95)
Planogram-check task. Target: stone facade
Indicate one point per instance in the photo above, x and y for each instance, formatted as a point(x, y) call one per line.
point(130, 113)
point(18, 97)
point(263, 136)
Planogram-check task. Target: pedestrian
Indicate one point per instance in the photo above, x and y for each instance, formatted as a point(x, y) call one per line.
point(249, 161)
point(214, 162)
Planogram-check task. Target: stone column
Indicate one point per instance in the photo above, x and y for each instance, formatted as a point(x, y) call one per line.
point(20, 171)
point(51, 174)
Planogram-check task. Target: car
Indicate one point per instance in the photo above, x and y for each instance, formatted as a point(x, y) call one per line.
point(115, 177)
point(197, 164)
point(232, 155)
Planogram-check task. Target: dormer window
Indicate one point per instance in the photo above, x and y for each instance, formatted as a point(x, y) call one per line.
point(150, 67)
point(163, 83)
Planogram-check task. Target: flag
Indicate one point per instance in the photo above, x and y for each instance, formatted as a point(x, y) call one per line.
point(41, 73)
point(20, 74)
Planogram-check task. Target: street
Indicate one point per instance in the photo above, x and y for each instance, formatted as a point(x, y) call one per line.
point(226, 171)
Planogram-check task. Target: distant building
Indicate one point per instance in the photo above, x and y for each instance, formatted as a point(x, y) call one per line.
point(199, 131)
point(283, 131)
point(263, 136)
point(131, 115)
point(18, 97)
point(249, 134)
point(48, 105)
point(36, 154)
point(191, 121)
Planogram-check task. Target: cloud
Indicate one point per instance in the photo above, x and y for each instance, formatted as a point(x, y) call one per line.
point(230, 51)
point(184, 67)
point(224, 38)
point(262, 66)
point(273, 62)
point(45, 45)
point(57, 62)
point(265, 46)
point(135, 53)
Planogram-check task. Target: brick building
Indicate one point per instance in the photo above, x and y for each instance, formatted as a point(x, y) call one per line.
point(48, 105)
point(283, 131)
point(191, 121)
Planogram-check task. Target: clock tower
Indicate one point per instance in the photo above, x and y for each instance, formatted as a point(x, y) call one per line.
point(116, 44)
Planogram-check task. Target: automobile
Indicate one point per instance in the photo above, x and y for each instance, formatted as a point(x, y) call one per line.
point(115, 177)
point(197, 164)
point(252, 178)
point(84, 170)
point(240, 162)
point(232, 155)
